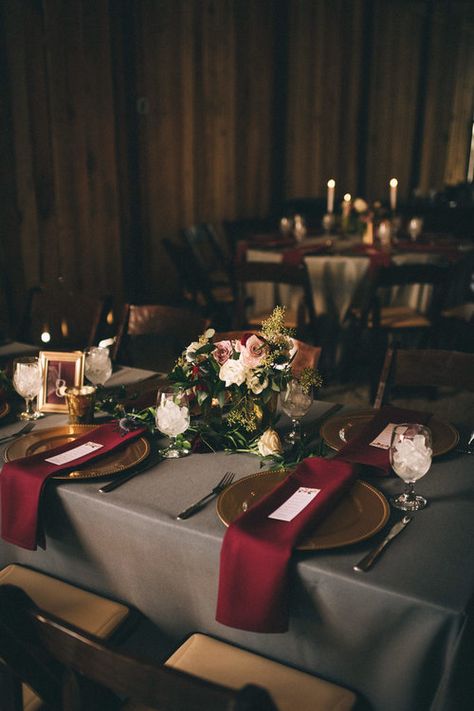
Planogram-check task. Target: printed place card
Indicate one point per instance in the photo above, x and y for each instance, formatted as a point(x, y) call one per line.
point(295, 504)
point(75, 453)
point(383, 439)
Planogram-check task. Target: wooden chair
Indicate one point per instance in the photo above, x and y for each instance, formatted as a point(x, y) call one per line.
point(399, 319)
point(75, 671)
point(215, 301)
point(415, 369)
point(92, 613)
point(56, 318)
point(307, 356)
point(203, 242)
point(301, 316)
point(154, 335)
point(401, 325)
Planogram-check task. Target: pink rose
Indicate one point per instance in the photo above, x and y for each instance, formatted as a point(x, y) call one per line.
point(254, 351)
point(223, 351)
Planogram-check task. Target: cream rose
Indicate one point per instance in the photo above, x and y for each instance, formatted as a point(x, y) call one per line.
point(360, 205)
point(254, 384)
point(233, 372)
point(269, 443)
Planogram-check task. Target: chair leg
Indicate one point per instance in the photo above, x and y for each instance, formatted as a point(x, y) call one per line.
point(10, 690)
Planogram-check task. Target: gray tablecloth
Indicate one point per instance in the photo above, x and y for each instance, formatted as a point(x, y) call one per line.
point(395, 635)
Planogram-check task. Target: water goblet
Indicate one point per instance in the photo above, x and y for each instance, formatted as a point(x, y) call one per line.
point(172, 418)
point(295, 401)
point(97, 365)
point(328, 223)
point(410, 454)
point(27, 377)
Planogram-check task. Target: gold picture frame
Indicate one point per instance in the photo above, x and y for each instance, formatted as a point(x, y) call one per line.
point(60, 371)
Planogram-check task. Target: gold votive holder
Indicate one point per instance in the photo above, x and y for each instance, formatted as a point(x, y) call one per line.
point(80, 404)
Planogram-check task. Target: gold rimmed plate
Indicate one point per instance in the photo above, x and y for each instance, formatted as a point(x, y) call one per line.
point(341, 428)
point(360, 514)
point(122, 458)
point(4, 409)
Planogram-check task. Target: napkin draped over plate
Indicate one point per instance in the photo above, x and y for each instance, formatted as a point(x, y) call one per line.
point(359, 450)
point(256, 552)
point(22, 482)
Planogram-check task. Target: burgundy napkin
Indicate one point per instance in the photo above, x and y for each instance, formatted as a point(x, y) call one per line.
point(360, 451)
point(256, 552)
point(22, 482)
point(377, 257)
point(295, 256)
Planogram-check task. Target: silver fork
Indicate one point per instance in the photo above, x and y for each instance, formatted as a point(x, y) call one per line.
point(220, 486)
point(23, 430)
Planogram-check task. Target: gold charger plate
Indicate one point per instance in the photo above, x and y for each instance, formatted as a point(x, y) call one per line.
point(340, 429)
point(357, 516)
point(131, 454)
point(4, 408)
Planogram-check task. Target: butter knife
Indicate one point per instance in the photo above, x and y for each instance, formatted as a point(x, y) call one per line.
point(368, 560)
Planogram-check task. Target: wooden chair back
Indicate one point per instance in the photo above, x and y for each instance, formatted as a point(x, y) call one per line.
point(203, 242)
point(434, 275)
point(72, 320)
point(276, 273)
point(146, 331)
point(307, 356)
point(74, 671)
point(415, 368)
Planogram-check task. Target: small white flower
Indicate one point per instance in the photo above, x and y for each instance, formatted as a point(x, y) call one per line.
point(254, 384)
point(233, 372)
point(191, 351)
point(269, 443)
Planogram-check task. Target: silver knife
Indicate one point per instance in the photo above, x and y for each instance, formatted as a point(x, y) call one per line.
point(368, 560)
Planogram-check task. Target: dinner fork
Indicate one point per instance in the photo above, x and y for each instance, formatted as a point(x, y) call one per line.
point(23, 430)
point(220, 486)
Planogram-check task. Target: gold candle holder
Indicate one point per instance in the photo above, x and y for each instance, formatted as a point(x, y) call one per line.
point(81, 403)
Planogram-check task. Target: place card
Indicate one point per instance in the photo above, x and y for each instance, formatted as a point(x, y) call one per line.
point(382, 441)
point(295, 504)
point(75, 453)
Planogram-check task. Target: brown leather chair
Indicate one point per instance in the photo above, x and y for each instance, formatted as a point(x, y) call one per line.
point(154, 335)
point(75, 671)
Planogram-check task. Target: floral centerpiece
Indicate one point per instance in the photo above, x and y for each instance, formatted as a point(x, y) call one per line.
point(235, 385)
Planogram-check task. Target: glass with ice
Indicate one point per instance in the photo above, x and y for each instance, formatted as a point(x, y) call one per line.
point(97, 365)
point(173, 419)
point(411, 451)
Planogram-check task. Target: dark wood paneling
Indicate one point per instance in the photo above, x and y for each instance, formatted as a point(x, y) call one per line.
point(126, 120)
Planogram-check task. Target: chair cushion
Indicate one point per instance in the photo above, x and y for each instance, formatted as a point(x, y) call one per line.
point(230, 666)
point(402, 317)
point(86, 610)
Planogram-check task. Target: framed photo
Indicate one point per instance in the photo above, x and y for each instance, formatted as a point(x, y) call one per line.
point(60, 371)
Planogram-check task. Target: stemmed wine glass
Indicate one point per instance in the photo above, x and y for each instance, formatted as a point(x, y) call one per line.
point(410, 454)
point(27, 376)
point(172, 418)
point(97, 365)
point(295, 401)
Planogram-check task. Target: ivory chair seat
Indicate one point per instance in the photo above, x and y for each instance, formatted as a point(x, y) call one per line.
point(94, 614)
point(290, 689)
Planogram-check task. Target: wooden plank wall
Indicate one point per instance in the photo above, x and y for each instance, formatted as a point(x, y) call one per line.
point(125, 120)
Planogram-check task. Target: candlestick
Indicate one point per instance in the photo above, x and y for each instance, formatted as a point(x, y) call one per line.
point(346, 205)
point(393, 194)
point(331, 190)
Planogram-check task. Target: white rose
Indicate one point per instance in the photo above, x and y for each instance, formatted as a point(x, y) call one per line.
point(233, 372)
point(254, 384)
point(269, 443)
